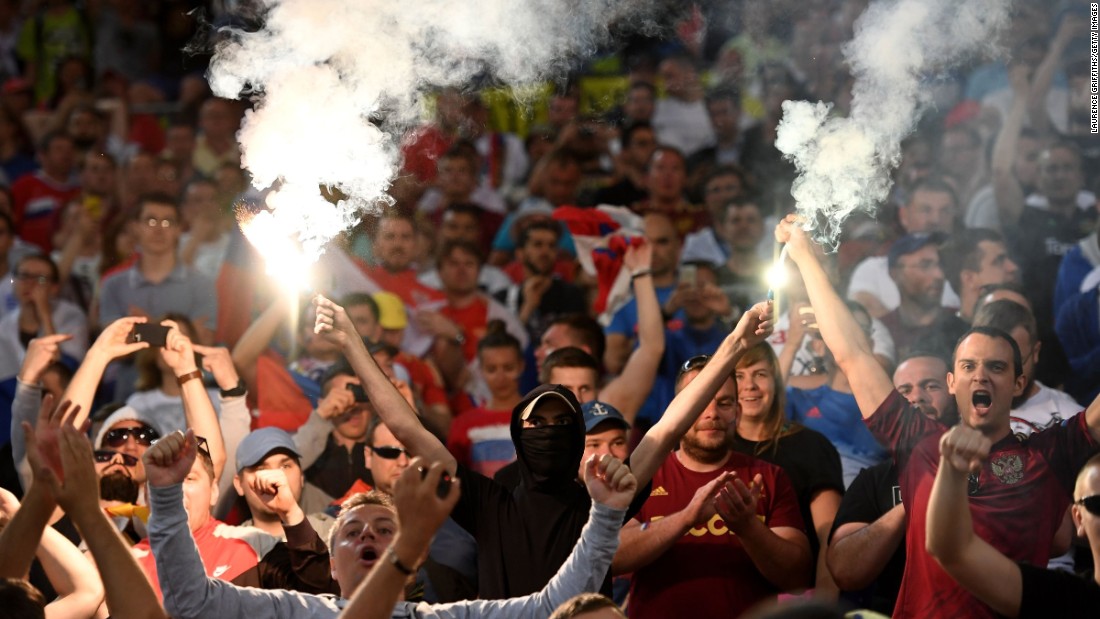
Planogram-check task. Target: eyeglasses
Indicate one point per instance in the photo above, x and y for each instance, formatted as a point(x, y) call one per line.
point(143, 435)
point(103, 456)
point(153, 222)
point(1091, 503)
point(390, 453)
point(31, 277)
point(695, 363)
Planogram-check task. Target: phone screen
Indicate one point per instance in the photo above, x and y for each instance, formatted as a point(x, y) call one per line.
point(156, 335)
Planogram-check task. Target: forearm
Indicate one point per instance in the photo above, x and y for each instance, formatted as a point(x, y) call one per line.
point(28, 398)
point(838, 327)
point(309, 558)
point(858, 558)
point(47, 326)
point(393, 408)
point(128, 591)
point(309, 440)
point(641, 545)
point(643, 362)
point(81, 390)
point(20, 538)
point(69, 572)
point(183, 581)
point(235, 422)
point(256, 339)
point(1041, 83)
point(200, 415)
point(784, 562)
point(949, 528)
point(788, 354)
point(1007, 192)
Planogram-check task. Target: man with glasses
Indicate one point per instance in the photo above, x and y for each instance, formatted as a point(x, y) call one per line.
point(1010, 587)
point(39, 313)
point(159, 283)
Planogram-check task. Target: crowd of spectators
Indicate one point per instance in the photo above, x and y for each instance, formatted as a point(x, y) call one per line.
point(491, 405)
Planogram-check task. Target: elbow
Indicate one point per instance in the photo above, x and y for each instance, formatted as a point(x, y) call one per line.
point(845, 571)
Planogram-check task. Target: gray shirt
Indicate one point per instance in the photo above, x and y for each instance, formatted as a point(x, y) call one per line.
point(184, 291)
point(189, 593)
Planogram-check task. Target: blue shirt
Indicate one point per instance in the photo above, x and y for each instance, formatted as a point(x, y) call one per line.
point(625, 321)
point(837, 416)
point(680, 346)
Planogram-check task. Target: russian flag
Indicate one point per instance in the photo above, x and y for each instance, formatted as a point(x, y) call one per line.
point(602, 236)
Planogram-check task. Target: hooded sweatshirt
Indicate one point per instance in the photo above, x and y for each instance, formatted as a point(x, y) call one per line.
point(526, 533)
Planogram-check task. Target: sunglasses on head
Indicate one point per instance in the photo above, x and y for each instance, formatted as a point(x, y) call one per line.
point(103, 456)
point(144, 435)
point(390, 453)
point(202, 445)
point(1091, 503)
point(695, 363)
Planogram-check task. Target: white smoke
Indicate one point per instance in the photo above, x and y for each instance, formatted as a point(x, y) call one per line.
point(322, 69)
point(844, 163)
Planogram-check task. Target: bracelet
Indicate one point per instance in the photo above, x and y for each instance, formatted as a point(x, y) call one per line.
point(235, 392)
point(180, 380)
point(396, 563)
point(644, 272)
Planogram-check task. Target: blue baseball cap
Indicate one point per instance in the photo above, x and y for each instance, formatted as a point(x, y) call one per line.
point(597, 412)
point(260, 443)
point(911, 243)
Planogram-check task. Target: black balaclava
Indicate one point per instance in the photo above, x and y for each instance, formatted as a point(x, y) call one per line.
point(551, 455)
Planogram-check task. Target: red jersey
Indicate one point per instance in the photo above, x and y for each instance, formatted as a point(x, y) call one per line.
point(404, 285)
point(472, 319)
point(707, 571)
point(481, 440)
point(1017, 504)
point(421, 150)
point(225, 557)
point(38, 203)
point(424, 377)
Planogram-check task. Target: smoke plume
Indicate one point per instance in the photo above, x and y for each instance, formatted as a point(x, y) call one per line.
point(844, 163)
point(324, 71)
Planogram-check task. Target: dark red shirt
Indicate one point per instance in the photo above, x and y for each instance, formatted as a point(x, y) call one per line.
point(1017, 504)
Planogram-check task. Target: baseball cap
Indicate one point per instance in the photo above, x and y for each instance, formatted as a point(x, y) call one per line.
point(259, 443)
point(911, 243)
point(538, 394)
point(597, 412)
point(391, 311)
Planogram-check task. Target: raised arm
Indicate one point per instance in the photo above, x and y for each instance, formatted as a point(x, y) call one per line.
point(256, 339)
point(1007, 191)
point(980, 568)
point(842, 334)
point(399, 417)
point(111, 344)
point(234, 420)
point(28, 395)
point(754, 327)
point(642, 364)
point(1070, 27)
point(179, 355)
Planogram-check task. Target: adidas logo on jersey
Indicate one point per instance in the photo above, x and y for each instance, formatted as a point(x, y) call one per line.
point(659, 491)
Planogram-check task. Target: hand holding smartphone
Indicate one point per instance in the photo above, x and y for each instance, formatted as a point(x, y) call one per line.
point(154, 334)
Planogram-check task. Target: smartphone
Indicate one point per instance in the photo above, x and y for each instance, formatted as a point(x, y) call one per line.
point(806, 313)
point(156, 335)
point(688, 273)
point(358, 391)
point(444, 483)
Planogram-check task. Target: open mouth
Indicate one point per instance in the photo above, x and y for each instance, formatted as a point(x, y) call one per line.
point(368, 555)
point(981, 401)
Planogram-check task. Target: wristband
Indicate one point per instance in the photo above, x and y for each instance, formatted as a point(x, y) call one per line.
point(188, 376)
point(397, 564)
point(644, 272)
point(235, 392)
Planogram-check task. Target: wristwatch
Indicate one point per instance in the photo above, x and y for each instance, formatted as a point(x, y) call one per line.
point(235, 392)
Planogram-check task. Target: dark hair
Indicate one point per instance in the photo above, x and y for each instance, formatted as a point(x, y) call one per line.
point(157, 197)
point(394, 213)
point(989, 289)
point(49, 137)
point(635, 85)
point(148, 374)
point(54, 273)
point(729, 169)
point(359, 499)
point(587, 330)
point(961, 253)
point(583, 603)
point(568, 357)
point(355, 299)
point(463, 150)
point(372, 425)
point(1017, 358)
point(464, 208)
point(1007, 315)
point(628, 133)
point(740, 202)
point(665, 150)
point(935, 184)
point(497, 336)
point(537, 223)
point(453, 245)
point(724, 92)
point(21, 600)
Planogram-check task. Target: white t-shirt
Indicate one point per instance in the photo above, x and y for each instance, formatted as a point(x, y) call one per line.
point(682, 125)
point(1046, 408)
point(873, 277)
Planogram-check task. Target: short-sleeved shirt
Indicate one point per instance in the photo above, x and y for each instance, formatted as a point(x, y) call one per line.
point(1050, 593)
point(38, 202)
point(1018, 500)
point(811, 462)
point(874, 492)
point(836, 415)
point(707, 570)
point(184, 291)
point(625, 320)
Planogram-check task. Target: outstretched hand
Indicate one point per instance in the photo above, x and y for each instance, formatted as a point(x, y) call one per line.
point(755, 325)
point(178, 352)
point(170, 459)
point(40, 353)
point(609, 481)
point(638, 257)
point(965, 448)
point(43, 439)
point(78, 492)
point(420, 509)
point(114, 341)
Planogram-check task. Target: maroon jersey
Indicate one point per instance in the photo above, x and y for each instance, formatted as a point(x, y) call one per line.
point(707, 572)
point(1017, 501)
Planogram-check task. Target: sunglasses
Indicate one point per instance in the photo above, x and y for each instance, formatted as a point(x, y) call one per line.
point(144, 435)
point(390, 453)
point(103, 456)
point(1091, 503)
point(203, 446)
point(695, 363)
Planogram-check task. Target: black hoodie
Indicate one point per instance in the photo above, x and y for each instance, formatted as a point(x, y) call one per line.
point(524, 535)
